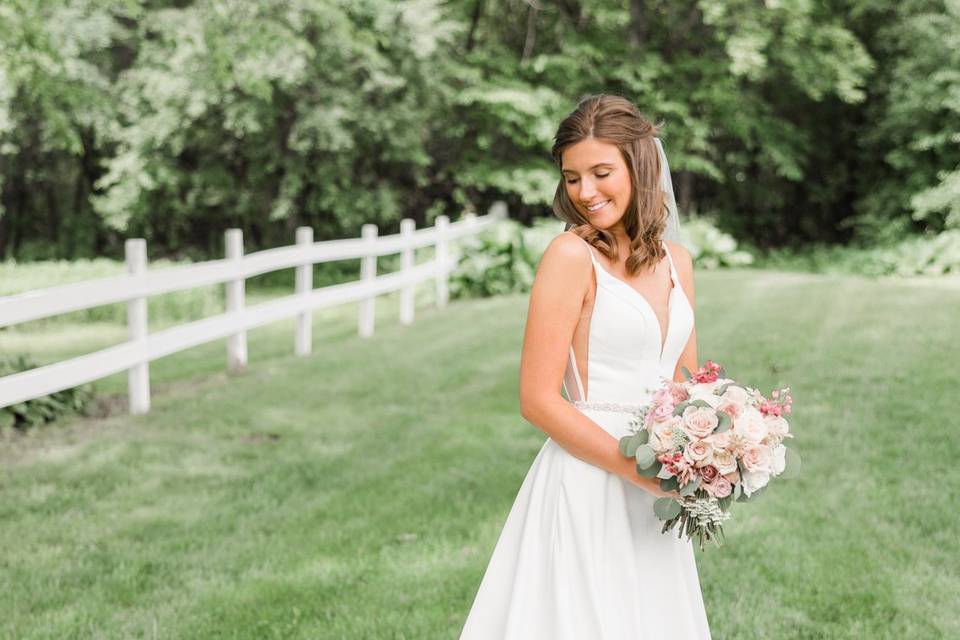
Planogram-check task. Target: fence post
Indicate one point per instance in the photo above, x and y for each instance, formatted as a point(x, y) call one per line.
point(236, 294)
point(138, 376)
point(368, 272)
point(442, 255)
point(304, 338)
point(406, 264)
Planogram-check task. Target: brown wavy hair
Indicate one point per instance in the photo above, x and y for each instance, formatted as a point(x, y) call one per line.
point(616, 120)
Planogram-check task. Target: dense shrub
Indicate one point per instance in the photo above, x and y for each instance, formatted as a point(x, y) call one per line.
point(501, 259)
point(710, 247)
point(39, 411)
point(504, 259)
point(931, 256)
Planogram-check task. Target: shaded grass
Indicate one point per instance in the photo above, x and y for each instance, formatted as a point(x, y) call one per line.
point(358, 493)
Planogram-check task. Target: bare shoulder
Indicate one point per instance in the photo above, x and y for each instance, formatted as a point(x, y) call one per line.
point(566, 261)
point(568, 252)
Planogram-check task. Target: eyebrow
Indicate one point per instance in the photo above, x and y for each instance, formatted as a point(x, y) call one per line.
point(599, 164)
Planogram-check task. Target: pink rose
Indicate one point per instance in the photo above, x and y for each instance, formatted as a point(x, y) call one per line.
point(719, 488)
point(730, 409)
point(699, 422)
point(662, 412)
point(698, 453)
point(724, 461)
point(662, 396)
point(756, 458)
point(709, 473)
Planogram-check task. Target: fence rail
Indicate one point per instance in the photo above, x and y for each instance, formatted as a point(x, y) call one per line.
point(140, 283)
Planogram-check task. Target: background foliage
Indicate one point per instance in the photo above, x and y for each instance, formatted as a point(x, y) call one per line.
point(790, 123)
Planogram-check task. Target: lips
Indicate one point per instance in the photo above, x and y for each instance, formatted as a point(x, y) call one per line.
point(597, 206)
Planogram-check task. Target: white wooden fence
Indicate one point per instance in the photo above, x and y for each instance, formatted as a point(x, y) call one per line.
point(139, 284)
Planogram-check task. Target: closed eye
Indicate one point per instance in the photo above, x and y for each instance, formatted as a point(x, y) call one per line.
point(599, 175)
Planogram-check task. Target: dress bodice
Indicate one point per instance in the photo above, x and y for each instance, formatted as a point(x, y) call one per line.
point(627, 353)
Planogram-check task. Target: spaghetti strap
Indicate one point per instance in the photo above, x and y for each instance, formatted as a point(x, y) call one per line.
point(673, 268)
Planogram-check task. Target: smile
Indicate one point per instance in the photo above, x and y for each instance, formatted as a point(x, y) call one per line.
point(597, 206)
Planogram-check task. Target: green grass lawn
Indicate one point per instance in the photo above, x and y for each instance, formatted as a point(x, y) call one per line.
point(358, 493)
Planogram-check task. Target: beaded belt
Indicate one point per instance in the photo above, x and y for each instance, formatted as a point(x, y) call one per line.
point(623, 407)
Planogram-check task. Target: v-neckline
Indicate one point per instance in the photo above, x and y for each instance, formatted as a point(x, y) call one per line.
point(664, 334)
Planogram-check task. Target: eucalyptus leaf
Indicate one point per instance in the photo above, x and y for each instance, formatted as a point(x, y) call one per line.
point(666, 508)
point(635, 441)
point(669, 484)
point(651, 471)
point(722, 389)
point(753, 496)
point(724, 421)
point(792, 459)
point(645, 456)
point(690, 487)
point(686, 373)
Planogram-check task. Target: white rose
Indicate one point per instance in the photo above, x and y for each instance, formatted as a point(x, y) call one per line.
point(705, 391)
point(756, 458)
point(753, 481)
point(704, 387)
point(779, 462)
point(719, 440)
point(750, 425)
point(777, 426)
point(724, 461)
point(736, 395)
point(662, 437)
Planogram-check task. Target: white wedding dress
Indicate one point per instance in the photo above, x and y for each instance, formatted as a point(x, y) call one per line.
point(581, 555)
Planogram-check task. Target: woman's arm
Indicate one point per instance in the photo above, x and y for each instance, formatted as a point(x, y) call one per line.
point(684, 264)
point(562, 281)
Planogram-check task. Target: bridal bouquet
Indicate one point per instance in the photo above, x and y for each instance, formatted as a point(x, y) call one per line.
point(714, 441)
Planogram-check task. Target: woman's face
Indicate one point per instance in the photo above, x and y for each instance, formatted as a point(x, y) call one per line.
point(597, 181)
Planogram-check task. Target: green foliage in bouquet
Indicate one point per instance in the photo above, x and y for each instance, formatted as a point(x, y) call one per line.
point(502, 259)
point(694, 510)
point(39, 411)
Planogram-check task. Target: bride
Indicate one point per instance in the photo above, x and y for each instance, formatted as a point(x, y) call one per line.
point(581, 555)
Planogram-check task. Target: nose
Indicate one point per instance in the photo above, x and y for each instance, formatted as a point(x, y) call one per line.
point(587, 191)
